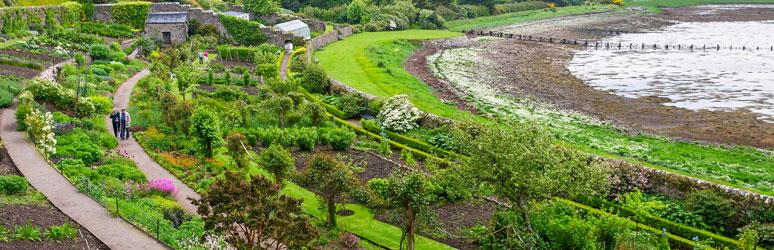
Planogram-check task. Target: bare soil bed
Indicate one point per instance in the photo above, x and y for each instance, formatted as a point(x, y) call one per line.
point(538, 70)
point(18, 71)
point(49, 60)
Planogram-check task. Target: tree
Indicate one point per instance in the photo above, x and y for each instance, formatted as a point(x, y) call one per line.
point(278, 161)
point(314, 79)
point(260, 7)
point(409, 191)
point(205, 126)
point(316, 112)
point(267, 70)
point(250, 212)
point(280, 105)
point(356, 11)
point(330, 177)
point(237, 150)
point(186, 75)
point(521, 162)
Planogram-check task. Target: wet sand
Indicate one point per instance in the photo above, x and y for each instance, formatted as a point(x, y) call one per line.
point(538, 70)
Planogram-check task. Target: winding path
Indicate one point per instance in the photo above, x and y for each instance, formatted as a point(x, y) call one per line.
point(132, 150)
point(113, 231)
point(284, 65)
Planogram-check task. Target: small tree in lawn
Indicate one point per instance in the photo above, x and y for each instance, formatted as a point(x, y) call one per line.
point(278, 161)
point(237, 150)
point(205, 126)
point(314, 79)
point(280, 105)
point(521, 162)
point(249, 212)
point(186, 75)
point(409, 191)
point(330, 177)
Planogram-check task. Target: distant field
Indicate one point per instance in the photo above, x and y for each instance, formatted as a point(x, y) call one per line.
point(38, 2)
point(523, 16)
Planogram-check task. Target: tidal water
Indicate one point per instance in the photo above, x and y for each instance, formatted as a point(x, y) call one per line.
point(728, 79)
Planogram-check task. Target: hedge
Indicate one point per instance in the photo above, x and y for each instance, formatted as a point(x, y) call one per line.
point(243, 54)
point(131, 13)
point(414, 143)
point(243, 31)
point(71, 14)
point(109, 30)
point(673, 227)
point(680, 242)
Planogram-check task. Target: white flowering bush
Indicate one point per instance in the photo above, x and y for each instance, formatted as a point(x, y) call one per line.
point(40, 130)
point(399, 115)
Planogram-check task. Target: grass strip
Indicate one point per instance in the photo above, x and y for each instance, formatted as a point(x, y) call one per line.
point(523, 16)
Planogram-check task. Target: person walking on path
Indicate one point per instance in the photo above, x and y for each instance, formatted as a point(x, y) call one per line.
point(201, 57)
point(206, 57)
point(126, 120)
point(116, 120)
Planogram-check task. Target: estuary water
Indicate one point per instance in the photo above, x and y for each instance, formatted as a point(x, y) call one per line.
point(728, 79)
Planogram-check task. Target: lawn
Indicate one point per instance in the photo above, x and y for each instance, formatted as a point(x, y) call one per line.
point(523, 16)
point(349, 62)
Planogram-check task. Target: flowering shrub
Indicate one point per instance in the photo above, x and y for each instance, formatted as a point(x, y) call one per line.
point(40, 130)
point(398, 114)
point(162, 185)
point(349, 240)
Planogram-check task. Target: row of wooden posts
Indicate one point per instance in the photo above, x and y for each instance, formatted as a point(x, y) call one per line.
point(608, 45)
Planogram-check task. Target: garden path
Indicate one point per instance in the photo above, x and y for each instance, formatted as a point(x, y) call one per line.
point(113, 231)
point(284, 66)
point(132, 150)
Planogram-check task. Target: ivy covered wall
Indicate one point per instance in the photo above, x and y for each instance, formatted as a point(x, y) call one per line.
point(131, 13)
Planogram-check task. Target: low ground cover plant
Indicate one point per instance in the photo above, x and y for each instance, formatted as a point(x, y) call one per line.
point(12, 184)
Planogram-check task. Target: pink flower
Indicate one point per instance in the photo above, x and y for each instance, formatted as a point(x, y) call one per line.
point(162, 185)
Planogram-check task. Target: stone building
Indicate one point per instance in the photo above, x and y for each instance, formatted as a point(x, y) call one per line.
point(171, 28)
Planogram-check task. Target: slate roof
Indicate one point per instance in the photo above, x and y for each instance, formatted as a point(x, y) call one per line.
point(167, 17)
point(233, 13)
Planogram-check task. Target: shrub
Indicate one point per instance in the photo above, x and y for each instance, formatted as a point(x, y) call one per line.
point(100, 52)
point(109, 30)
point(162, 185)
point(40, 130)
point(63, 232)
point(12, 184)
point(5, 98)
point(314, 79)
point(398, 114)
point(429, 20)
point(350, 240)
point(102, 104)
point(176, 215)
point(124, 172)
point(715, 209)
point(307, 138)
point(340, 138)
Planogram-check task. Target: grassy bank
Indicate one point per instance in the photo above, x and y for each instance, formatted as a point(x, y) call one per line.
point(352, 62)
point(523, 16)
point(657, 4)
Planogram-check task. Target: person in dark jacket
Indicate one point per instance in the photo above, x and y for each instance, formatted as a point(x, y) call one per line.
point(116, 119)
point(126, 121)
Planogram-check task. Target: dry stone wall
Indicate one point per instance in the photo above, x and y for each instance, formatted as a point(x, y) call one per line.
point(103, 13)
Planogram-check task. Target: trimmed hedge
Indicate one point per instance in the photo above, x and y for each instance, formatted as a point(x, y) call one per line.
point(658, 222)
point(412, 142)
point(243, 31)
point(330, 108)
point(131, 13)
point(678, 242)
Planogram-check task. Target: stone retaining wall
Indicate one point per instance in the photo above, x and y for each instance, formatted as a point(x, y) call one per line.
point(104, 13)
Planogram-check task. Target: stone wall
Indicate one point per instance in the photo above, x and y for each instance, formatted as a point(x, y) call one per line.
point(327, 38)
point(103, 13)
point(179, 31)
point(314, 25)
point(24, 12)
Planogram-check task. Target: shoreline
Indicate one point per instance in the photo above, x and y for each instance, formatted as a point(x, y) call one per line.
point(539, 71)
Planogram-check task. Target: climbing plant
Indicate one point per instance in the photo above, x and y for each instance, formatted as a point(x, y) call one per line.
point(131, 13)
point(243, 31)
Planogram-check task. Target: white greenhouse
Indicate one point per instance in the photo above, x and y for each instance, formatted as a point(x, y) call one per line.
point(295, 27)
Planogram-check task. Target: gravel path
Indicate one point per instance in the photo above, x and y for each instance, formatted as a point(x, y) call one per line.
point(132, 150)
point(114, 232)
point(284, 66)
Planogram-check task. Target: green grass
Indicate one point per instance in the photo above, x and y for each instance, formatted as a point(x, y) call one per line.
point(39, 2)
point(348, 61)
point(523, 16)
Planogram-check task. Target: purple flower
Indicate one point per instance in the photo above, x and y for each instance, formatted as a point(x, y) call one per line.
point(162, 185)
